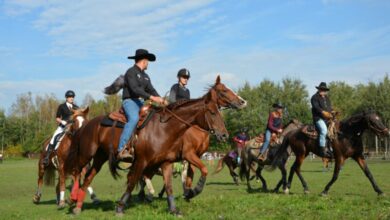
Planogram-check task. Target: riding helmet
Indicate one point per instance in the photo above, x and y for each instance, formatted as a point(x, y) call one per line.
point(69, 93)
point(183, 73)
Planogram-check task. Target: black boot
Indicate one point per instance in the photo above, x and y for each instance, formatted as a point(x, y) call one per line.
point(50, 149)
point(323, 152)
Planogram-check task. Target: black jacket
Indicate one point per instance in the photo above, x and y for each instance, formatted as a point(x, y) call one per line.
point(137, 84)
point(319, 104)
point(178, 92)
point(64, 112)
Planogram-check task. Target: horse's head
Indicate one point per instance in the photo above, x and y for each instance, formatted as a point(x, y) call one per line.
point(374, 123)
point(224, 96)
point(79, 118)
point(213, 119)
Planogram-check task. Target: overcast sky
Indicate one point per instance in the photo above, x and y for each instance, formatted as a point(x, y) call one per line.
point(52, 46)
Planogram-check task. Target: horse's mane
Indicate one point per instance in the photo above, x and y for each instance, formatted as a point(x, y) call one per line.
point(183, 102)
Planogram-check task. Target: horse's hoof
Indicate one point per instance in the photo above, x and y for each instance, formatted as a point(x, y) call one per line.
point(176, 213)
point(96, 201)
point(149, 198)
point(36, 199)
point(70, 202)
point(306, 192)
point(61, 205)
point(286, 191)
point(381, 194)
point(119, 210)
point(324, 194)
point(76, 211)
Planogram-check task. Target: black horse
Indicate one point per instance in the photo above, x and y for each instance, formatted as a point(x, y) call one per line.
point(347, 143)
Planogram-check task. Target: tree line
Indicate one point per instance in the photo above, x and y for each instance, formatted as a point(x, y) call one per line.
point(31, 118)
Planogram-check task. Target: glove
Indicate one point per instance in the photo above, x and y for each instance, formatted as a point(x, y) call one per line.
point(327, 115)
point(63, 122)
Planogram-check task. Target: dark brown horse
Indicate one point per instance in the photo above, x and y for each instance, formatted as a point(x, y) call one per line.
point(348, 143)
point(46, 174)
point(251, 153)
point(231, 163)
point(159, 144)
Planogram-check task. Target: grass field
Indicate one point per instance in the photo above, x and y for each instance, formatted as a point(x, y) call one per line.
point(351, 197)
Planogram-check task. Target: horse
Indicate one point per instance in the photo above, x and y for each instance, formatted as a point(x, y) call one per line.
point(347, 143)
point(326, 164)
point(231, 163)
point(252, 151)
point(162, 141)
point(46, 174)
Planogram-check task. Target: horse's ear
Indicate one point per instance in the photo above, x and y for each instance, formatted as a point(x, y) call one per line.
point(86, 110)
point(218, 80)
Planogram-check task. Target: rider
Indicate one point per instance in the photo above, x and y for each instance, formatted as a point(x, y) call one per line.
point(179, 91)
point(240, 140)
point(321, 110)
point(137, 87)
point(64, 112)
point(274, 125)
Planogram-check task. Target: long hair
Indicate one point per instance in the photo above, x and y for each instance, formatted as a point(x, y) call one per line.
point(117, 85)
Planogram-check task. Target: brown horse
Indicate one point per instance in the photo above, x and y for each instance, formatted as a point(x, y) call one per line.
point(251, 153)
point(348, 143)
point(46, 174)
point(159, 144)
point(231, 163)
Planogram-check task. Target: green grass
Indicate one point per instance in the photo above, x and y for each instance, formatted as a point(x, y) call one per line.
point(351, 197)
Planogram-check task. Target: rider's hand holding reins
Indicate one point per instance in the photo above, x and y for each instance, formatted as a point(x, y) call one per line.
point(327, 115)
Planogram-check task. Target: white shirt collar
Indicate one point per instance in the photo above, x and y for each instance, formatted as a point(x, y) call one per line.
point(70, 106)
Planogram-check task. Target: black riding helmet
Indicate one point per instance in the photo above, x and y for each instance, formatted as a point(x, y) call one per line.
point(184, 73)
point(69, 93)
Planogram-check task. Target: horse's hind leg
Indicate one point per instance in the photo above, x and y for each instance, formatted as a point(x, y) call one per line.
point(363, 165)
point(263, 182)
point(232, 173)
point(297, 164)
point(338, 163)
point(167, 174)
point(41, 173)
point(92, 194)
point(99, 159)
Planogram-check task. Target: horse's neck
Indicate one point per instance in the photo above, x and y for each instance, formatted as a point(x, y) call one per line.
point(190, 112)
point(352, 128)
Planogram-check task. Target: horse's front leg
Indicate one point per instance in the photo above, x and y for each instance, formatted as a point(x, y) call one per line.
point(338, 163)
point(167, 168)
point(62, 179)
point(193, 159)
point(41, 173)
point(363, 165)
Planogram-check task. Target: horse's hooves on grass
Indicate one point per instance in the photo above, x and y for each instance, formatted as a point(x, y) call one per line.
point(286, 191)
point(324, 194)
point(76, 211)
point(149, 198)
point(306, 192)
point(70, 202)
point(176, 213)
point(61, 205)
point(381, 194)
point(36, 199)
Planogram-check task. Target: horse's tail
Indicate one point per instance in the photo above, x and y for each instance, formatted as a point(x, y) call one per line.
point(112, 162)
point(115, 86)
point(219, 166)
point(281, 154)
point(49, 176)
point(244, 165)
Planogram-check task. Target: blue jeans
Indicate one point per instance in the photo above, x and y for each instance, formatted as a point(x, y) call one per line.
point(267, 140)
point(131, 108)
point(323, 130)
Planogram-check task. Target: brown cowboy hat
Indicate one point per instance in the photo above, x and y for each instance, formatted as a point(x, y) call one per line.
point(322, 87)
point(143, 54)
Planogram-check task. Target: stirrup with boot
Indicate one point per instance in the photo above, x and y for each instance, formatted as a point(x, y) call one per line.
point(125, 155)
point(50, 149)
point(323, 152)
point(263, 156)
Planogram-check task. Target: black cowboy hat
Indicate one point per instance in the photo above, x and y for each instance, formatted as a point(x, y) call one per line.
point(322, 87)
point(143, 54)
point(277, 105)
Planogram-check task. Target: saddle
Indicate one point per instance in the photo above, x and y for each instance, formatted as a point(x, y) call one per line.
point(311, 132)
point(145, 114)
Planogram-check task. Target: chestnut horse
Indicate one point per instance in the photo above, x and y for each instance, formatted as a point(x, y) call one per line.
point(159, 144)
point(348, 143)
point(46, 174)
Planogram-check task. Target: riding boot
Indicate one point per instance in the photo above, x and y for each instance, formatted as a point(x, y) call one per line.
point(323, 152)
point(125, 155)
point(50, 149)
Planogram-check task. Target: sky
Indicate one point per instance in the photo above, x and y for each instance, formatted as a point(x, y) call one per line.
point(48, 47)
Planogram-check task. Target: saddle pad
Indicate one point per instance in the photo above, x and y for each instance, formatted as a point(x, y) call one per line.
point(108, 122)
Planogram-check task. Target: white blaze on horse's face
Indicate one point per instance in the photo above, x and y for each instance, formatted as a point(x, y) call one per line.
point(80, 120)
point(244, 102)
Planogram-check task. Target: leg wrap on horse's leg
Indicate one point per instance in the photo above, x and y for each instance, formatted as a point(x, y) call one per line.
point(80, 198)
point(75, 189)
point(171, 203)
point(190, 193)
